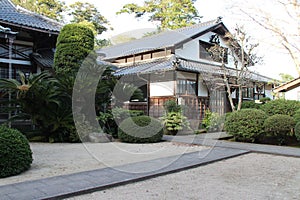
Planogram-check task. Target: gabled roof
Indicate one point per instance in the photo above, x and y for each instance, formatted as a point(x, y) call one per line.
point(288, 86)
point(163, 40)
point(17, 16)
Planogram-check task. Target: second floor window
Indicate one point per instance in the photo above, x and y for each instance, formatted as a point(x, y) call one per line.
point(186, 87)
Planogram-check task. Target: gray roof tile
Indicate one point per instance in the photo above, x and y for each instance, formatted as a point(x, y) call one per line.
point(163, 40)
point(168, 63)
point(9, 13)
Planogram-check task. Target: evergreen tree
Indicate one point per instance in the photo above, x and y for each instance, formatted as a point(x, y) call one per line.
point(171, 14)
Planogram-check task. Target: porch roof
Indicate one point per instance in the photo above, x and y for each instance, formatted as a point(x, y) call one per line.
point(18, 16)
point(174, 63)
point(44, 58)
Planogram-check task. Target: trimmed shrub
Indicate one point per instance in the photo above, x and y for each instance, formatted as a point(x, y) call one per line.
point(140, 129)
point(297, 131)
point(265, 100)
point(15, 152)
point(297, 116)
point(281, 106)
point(279, 127)
point(245, 125)
point(74, 43)
point(250, 104)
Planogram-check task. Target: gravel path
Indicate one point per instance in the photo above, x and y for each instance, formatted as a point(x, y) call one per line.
point(252, 176)
point(65, 158)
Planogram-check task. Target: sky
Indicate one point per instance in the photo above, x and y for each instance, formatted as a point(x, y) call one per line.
point(275, 61)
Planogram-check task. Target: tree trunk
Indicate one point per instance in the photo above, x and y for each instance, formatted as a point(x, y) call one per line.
point(240, 98)
point(229, 94)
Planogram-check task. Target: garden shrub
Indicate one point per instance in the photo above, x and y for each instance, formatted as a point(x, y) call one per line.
point(297, 116)
point(246, 124)
point(265, 100)
point(140, 129)
point(174, 122)
point(15, 152)
point(297, 131)
point(171, 106)
point(281, 106)
point(74, 43)
point(110, 120)
point(213, 121)
point(279, 127)
point(250, 104)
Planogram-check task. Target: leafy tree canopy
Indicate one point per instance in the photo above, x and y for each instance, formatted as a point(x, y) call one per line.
point(81, 12)
point(171, 14)
point(49, 8)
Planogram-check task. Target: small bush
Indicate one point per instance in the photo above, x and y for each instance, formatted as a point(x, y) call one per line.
point(250, 104)
point(246, 124)
point(212, 121)
point(174, 122)
point(279, 127)
point(281, 106)
point(140, 129)
point(297, 131)
point(15, 152)
point(110, 120)
point(171, 106)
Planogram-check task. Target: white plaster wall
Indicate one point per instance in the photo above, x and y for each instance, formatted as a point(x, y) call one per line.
point(268, 93)
point(190, 50)
point(292, 94)
point(162, 89)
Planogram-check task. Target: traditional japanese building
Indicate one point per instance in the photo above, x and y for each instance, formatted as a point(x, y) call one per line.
point(27, 41)
point(177, 65)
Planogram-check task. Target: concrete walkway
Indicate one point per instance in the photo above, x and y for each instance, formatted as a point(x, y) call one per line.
point(211, 139)
point(89, 181)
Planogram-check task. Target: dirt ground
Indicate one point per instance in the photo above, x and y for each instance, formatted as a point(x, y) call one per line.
point(65, 158)
point(251, 176)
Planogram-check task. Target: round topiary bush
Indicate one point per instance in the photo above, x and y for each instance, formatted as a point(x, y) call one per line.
point(297, 131)
point(281, 106)
point(140, 129)
point(279, 127)
point(245, 125)
point(15, 152)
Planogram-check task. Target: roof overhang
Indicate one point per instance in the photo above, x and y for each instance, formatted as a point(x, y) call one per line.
point(288, 86)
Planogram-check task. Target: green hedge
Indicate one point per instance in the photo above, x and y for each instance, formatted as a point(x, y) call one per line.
point(15, 152)
point(297, 131)
point(250, 104)
point(140, 129)
point(245, 125)
point(281, 106)
point(279, 127)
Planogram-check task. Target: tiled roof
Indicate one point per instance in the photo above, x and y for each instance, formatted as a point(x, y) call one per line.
point(172, 63)
point(11, 14)
point(163, 40)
